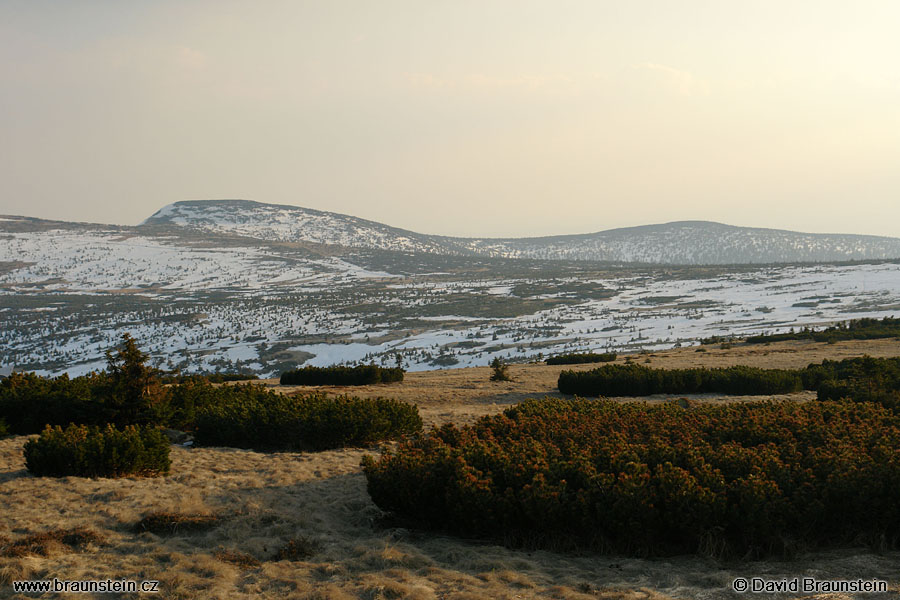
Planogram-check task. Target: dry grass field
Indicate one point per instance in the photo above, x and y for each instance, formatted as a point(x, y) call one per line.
point(300, 525)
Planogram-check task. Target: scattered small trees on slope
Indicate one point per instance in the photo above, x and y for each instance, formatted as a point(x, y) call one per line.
point(856, 329)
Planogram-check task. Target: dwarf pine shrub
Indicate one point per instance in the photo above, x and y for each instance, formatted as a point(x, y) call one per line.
point(129, 392)
point(98, 452)
point(28, 402)
point(654, 479)
point(578, 359)
point(638, 380)
point(340, 375)
point(209, 377)
point(249, 416)
point(863, 379)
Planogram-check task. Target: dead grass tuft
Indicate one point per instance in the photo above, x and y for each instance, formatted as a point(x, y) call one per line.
point(299, 548)
point(170, 523)
point(52, 542)
point(15, 570)
point(242, 560)
point(388, 590)
point(329, 570)
point(629, 594)
point(177, 587)
point(585, 587)
point(329, 592)
point(561, 592)
point(514, 579)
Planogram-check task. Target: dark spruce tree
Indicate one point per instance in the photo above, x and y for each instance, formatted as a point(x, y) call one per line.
point(500, 370)
point(134, 393)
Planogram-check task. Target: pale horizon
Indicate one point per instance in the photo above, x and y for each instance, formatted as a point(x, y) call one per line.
point(468, 119)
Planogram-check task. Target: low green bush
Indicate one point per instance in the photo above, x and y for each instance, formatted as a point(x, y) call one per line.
point(716, 339)
point(98, 452)
point(578, 359)
point(859, 391)
point(209, 377)
point(128, 393)
point(191, 397)
point(249, 416)
point(883, 372)
point(654, 479)
point(28, 402)
point(638, 380)
point(359, 375)
point(864, 379)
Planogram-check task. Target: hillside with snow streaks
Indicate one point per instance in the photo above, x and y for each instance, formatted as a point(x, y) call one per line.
point(58, 260)
point(289, 223)
point(423, 324)
point(685, 243)
point(697, 243)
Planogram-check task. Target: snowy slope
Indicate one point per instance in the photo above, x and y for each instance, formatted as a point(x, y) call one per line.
point(697, 243)
point(290, 223)
point(90, 260)
point(686, 242)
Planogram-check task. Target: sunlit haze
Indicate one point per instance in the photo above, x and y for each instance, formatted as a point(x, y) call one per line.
point(473, 118)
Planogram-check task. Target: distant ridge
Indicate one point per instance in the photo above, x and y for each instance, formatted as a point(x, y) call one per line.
point(681, 242)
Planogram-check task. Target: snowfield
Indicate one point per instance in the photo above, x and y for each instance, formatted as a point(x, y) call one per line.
point(63, 260)
point(202, 303)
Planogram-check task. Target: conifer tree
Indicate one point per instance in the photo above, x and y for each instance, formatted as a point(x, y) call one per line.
point(501, 370)
point(135, 393)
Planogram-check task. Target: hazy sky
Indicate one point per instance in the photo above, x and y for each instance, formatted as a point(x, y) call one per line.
point(458, 117)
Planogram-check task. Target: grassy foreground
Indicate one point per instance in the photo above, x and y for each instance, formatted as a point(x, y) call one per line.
point(257, 504)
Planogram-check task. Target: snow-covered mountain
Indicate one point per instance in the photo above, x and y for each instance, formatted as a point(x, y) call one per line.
point(282, 223)
point(684, 242)
point(91, 260)
point(699, 243)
